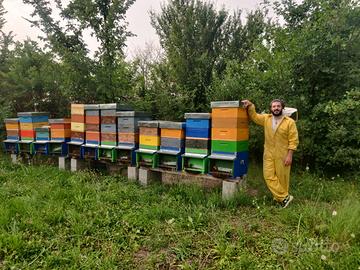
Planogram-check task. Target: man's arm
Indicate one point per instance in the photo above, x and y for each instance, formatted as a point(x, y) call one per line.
point(257, 118)
point(293, 138)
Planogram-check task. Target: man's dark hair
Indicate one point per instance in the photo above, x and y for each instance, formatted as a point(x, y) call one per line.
point(278, 100)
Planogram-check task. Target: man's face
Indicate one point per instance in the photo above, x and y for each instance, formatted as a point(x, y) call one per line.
point(276, 108)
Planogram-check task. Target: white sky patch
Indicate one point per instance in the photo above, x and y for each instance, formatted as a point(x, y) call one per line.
point(138, 17)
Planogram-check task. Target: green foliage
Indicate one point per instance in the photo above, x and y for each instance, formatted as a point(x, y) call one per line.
point(190, 33)
point(32, 82)
point(100, 78)
point(311, 60)
point(313, 63)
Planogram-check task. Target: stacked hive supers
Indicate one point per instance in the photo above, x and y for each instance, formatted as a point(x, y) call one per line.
point(43, 133)
point(128, 129)
point(60, 129)
point(172, 136)
point(12, 129)
point(197, 143)
point(108, 124)
point(78, 123)
point(149, 135)
point(92, 124)
point(229, 139)
point(149, 143)
point(198, 127)
point(29, 121)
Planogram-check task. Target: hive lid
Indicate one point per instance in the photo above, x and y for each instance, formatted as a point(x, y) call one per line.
point(77, 106)
point(11, 120)
point(20, 114)
point(154, 124)
point(169, 152)
point(226, 104)
point(172, 125)
point(60, 121)
point(125, 146)
point(92, 107)
point(193, 155)
point(147, 151)
point(115, 106)
point(197, 115)
point(133, 114)
point(222, 157)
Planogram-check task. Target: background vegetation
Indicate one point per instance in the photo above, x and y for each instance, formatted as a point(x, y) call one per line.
point(306, 53)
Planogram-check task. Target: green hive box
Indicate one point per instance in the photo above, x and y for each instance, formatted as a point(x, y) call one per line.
point(218, 146)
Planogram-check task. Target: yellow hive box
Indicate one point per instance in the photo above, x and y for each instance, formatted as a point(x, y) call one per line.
point(78, 127)
point(78, 109)
point(230, 134)
point(172, 133)
point(32, 126)
point(228, 113)
point(150, 140)
point(11, 126)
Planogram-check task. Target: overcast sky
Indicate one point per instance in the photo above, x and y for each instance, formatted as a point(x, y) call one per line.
point(137, 17)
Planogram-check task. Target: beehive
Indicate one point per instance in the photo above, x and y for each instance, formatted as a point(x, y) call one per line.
point(29, 121)
point(92, 124)
point(128, 128)
point(108, 122)
point(78, 123)
point(197, 142)
point(128, 135)
point(172, 135)
point(12, 127)
point(149, 143)
point(43, 133)
point(108, 130)
point(41, 144)
point(149, 135)
point(229, 139)
point(198, 128)
point(60, 129)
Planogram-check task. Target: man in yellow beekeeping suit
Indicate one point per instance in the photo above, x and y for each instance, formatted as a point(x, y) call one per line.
point(281, 140)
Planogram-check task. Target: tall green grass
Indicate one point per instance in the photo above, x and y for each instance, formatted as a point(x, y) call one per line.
point(51, 219)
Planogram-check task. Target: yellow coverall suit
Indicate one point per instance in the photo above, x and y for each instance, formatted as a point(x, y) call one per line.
point(277, 144)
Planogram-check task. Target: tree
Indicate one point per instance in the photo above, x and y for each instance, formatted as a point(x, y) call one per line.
point(33, 82)
point(190, 33)
point(96, 77)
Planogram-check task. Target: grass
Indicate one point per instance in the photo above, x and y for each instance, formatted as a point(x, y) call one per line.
point(51, 219)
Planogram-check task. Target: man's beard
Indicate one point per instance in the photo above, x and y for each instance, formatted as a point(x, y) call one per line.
point(277, 112)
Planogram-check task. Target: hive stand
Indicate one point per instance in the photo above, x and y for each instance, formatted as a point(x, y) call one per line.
point(195, 163)
point(107, 153)
point(74, 149)
point(231, 188)
point(147, 158)
point(11, 146)
point(89, 151)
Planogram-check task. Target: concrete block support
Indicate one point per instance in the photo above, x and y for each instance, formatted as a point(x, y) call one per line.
point(64, 163)
point(14, 159)
point(147, 176)
point(133, 173)
point(231, 188)
point(77, 164)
